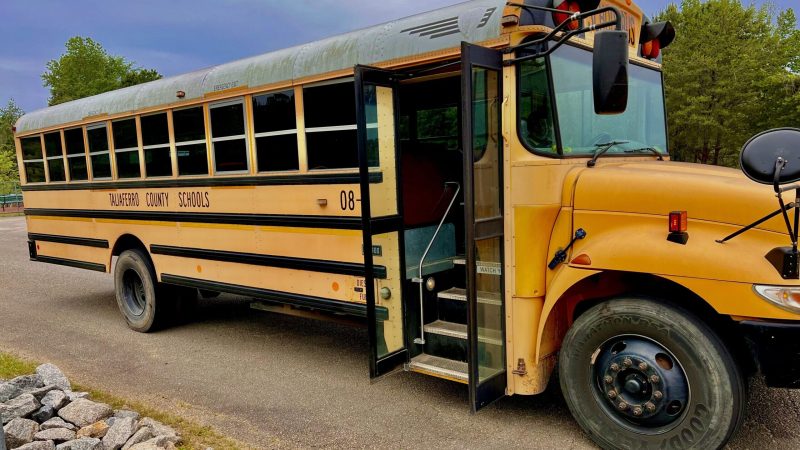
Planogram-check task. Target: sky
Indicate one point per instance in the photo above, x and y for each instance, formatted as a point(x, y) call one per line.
point(178, 36)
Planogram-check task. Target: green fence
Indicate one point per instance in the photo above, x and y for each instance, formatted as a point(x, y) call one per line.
point(11, 199)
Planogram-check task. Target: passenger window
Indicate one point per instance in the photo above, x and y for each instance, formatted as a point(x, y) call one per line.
point(32, 159)
point(126, 148)
point(190, 141)
point(155, 143)
point(98, 151)
point(76, 155)
point(55, 156)
point(275, 131)
point(228, 140)
point(330, 119)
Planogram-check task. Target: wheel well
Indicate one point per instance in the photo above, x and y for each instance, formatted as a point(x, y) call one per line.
point(606, 285)
point(129, 242)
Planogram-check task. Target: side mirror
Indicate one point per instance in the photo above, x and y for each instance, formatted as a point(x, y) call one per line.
point(760, 156)
point(610, 71)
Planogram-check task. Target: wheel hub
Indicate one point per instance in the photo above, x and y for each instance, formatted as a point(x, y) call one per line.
point(640, 382)
point(134, 292)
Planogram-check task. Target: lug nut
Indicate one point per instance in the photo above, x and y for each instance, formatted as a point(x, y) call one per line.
point(654, 378)
point(627, 362)
point(612, 394)
point(615, 367)
point(643, 366)
point(608, 379)
point(650, 406)
point(622, 406)
point(658, 395)
point(637, 411)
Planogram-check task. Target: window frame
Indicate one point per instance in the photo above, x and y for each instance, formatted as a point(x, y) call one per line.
point(245, 136)
point(42, 158)
point(63, 158)
point(85, 154)
point(295, 131)
point(306, 130)
point(90, 153)
point(177, 168)
point(125, 149)
point(169, 145)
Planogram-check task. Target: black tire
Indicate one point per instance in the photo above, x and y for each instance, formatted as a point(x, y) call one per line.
point(145, 304)
point(701, 393)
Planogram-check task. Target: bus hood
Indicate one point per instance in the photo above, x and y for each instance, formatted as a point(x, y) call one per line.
point(710, 193)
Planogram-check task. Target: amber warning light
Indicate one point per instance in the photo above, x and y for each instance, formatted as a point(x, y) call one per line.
point(678, 224)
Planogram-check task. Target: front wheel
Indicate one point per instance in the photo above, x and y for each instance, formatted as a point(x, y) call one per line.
point(637, 373)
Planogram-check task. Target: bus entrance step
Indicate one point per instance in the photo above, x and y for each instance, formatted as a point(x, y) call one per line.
point(459, 331)
point(439, 367)
point(486, 298)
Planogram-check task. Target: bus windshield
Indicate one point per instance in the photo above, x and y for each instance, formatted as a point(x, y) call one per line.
point(582, 132)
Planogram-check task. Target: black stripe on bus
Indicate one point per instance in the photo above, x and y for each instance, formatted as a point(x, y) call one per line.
point(386, 224)
point(282, 180)
point(279, 220)
point(308, 301)
point(285, 262)
point(71, 263)
point(71, 240)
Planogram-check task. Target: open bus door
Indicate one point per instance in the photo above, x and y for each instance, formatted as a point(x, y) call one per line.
point(378, 159)
point(482, 141)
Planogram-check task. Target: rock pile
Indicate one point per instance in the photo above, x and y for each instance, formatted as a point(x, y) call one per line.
point(41, 412)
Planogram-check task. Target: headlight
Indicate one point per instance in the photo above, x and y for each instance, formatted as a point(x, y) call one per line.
point(786, 297)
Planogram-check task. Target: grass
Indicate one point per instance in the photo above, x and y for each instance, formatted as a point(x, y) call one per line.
point(11, 214)
point(194, 436)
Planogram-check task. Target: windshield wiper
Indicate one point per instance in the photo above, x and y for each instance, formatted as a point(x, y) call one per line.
point(601, 149)
point(647, 149)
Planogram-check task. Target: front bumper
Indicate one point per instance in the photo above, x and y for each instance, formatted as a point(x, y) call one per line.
point(776, 349)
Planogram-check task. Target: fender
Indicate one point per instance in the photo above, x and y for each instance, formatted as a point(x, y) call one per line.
point(720, 274)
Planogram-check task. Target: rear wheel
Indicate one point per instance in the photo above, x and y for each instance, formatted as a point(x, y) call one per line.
point(637, 373)
point(145, 304)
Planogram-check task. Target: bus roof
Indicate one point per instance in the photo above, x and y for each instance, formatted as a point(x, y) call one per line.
point(472, 21)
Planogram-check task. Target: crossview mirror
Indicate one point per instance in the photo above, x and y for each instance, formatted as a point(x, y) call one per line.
point(772, 157)
point(610, 71)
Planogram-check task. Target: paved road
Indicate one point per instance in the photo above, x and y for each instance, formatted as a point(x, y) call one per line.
point(278, 381)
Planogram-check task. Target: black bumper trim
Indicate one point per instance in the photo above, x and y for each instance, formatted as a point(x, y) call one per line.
point(71, 263)
point(307, 301)
point(776, 350)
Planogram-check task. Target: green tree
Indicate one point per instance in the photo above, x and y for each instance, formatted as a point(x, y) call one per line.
point(9, 176)
point(86, 69)
point(731, 72)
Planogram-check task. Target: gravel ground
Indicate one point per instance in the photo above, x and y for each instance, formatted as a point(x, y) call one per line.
point(283, 382)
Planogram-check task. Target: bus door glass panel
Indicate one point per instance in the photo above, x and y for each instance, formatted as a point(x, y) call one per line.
point(377, 144)
point(482, 75)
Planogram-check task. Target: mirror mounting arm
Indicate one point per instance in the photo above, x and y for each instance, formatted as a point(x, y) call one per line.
point(617, 23)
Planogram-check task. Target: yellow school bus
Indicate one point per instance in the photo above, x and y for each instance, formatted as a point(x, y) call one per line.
point(488, 185)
